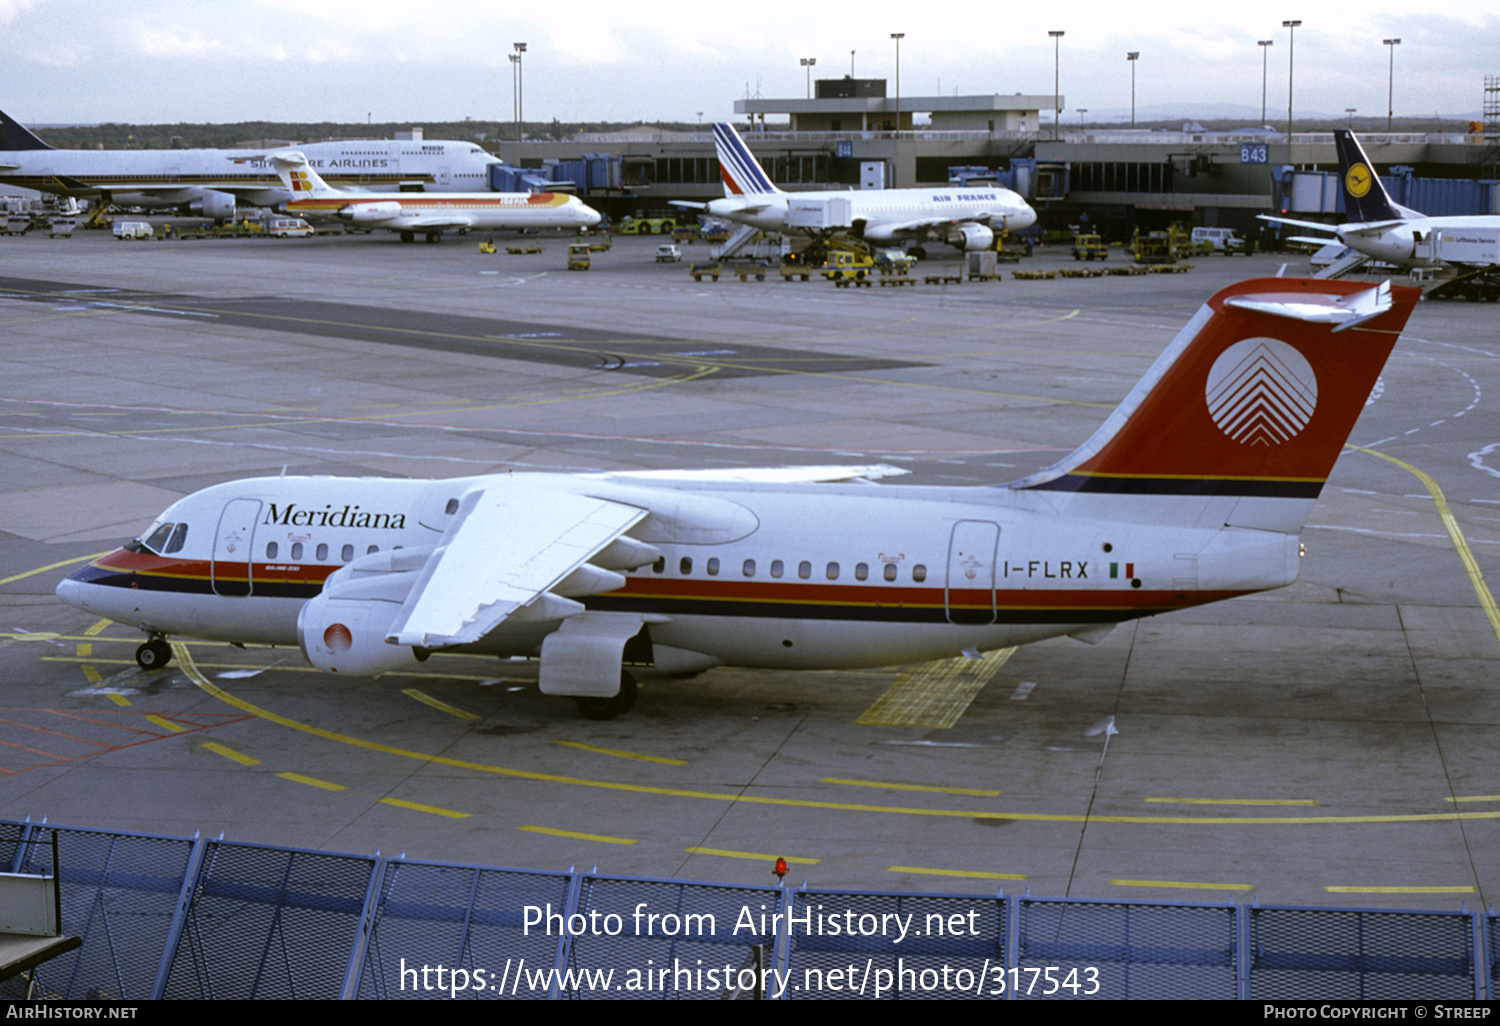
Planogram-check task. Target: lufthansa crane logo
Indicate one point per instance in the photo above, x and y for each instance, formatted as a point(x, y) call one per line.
point(1261, 391)
point(1358, 180)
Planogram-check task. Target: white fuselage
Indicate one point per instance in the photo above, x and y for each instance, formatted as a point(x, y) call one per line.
point(479, 210)
point(884, 212)
point(750, 575)
point(174, 178)
point(1470, 241)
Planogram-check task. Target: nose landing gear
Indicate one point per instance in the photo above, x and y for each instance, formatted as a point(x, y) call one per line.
point(153, 654)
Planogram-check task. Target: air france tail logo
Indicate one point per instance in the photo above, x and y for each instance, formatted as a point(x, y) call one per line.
point(1261, 391)
point(1358, 180)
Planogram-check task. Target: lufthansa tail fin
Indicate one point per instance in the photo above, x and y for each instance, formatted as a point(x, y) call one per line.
point(1365, 198)
point(740, 171)
point(1239, 421)
point(298, 175)
point(16, 137)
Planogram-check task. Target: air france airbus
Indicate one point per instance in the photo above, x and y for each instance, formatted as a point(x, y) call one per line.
point(966, 218)
point(208, 183)
point(1194, 490)
point(410, 213)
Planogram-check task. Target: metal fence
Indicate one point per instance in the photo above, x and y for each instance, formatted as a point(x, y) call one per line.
point(188, 917)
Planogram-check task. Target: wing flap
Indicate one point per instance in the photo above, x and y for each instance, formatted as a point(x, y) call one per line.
point(506, 549)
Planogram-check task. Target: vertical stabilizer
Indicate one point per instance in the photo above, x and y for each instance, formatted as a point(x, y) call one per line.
point(1365, 198)
point(17, 137)
point(741, 172)
point(1240, 420)
point(298, 176)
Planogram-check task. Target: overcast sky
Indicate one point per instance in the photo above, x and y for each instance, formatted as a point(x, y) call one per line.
point(151, 61)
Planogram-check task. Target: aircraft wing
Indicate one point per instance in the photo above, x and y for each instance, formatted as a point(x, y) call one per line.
point(506, 550)
point(765, 475)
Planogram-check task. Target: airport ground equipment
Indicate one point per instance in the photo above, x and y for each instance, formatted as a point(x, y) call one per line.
point(487, 247)
point(647, 226)
point(524, 250)
point(796, 272)
point(847, 263)
point(700, 271)
point(1089, 247)
point(578, 256)
point(600, 243)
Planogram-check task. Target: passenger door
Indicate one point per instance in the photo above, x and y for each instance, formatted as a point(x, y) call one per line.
point(970, 590)
point(232, 547)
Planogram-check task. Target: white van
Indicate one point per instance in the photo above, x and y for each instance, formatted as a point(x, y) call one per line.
point(288, 228)
point(133, 230)
point(1223, 240)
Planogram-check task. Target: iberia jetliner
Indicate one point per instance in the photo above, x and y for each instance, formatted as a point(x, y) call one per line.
point(1194, 490)
point(429, 213)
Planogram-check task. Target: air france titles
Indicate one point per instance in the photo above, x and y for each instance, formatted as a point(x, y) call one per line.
point(328, 516)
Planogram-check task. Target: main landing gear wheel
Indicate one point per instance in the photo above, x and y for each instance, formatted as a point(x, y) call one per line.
point(434, 236)
point(153, 655)
point(609, 708)
point(408, 236)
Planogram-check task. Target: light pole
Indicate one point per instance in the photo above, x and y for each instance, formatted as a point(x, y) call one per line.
point(851, 63)
point(1263, 43)
point(1056, 57)
point(515, 110)
point(520, 87)
point(1081, 112)
point(1131, 56)
point(1349, 113)
point(1390, 92)
point(1291, 59)
point(898, 36)
point(808, 62)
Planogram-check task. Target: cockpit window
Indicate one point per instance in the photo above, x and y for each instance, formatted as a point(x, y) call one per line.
point(157, 540)
point(179, 538)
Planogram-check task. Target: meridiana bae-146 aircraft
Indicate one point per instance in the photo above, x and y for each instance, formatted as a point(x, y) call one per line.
point(209, 182)
point(968, 218)
point(1194, 490)
point(410, 213)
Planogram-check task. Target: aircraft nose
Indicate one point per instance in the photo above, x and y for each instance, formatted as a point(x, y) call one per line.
point(73, 590)
point(590, 216)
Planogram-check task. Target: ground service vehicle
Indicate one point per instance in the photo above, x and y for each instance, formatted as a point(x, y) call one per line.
point(841, 263)
point(578, 256)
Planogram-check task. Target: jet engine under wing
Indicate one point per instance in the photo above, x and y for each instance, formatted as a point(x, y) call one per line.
point(508, 546)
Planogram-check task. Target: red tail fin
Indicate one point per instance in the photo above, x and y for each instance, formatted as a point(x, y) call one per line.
point(1255, 397)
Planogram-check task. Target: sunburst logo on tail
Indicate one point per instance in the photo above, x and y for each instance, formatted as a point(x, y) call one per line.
point(1261, 391)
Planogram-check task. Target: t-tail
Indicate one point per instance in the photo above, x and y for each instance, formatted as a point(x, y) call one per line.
point(16, 137)
point(1365, 198)
point(1240, 420)
point(740, 171)
point(298, 176)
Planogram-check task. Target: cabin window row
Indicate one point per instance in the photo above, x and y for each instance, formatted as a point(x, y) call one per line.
point(320, 552)
point(778, 569)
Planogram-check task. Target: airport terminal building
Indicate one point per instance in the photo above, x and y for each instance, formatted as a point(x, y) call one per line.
point(853, 134)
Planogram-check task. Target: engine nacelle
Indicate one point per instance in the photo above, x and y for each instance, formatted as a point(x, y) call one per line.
point(971, 237)
point(365, 213)
point(217, 205)
point(343, 630)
